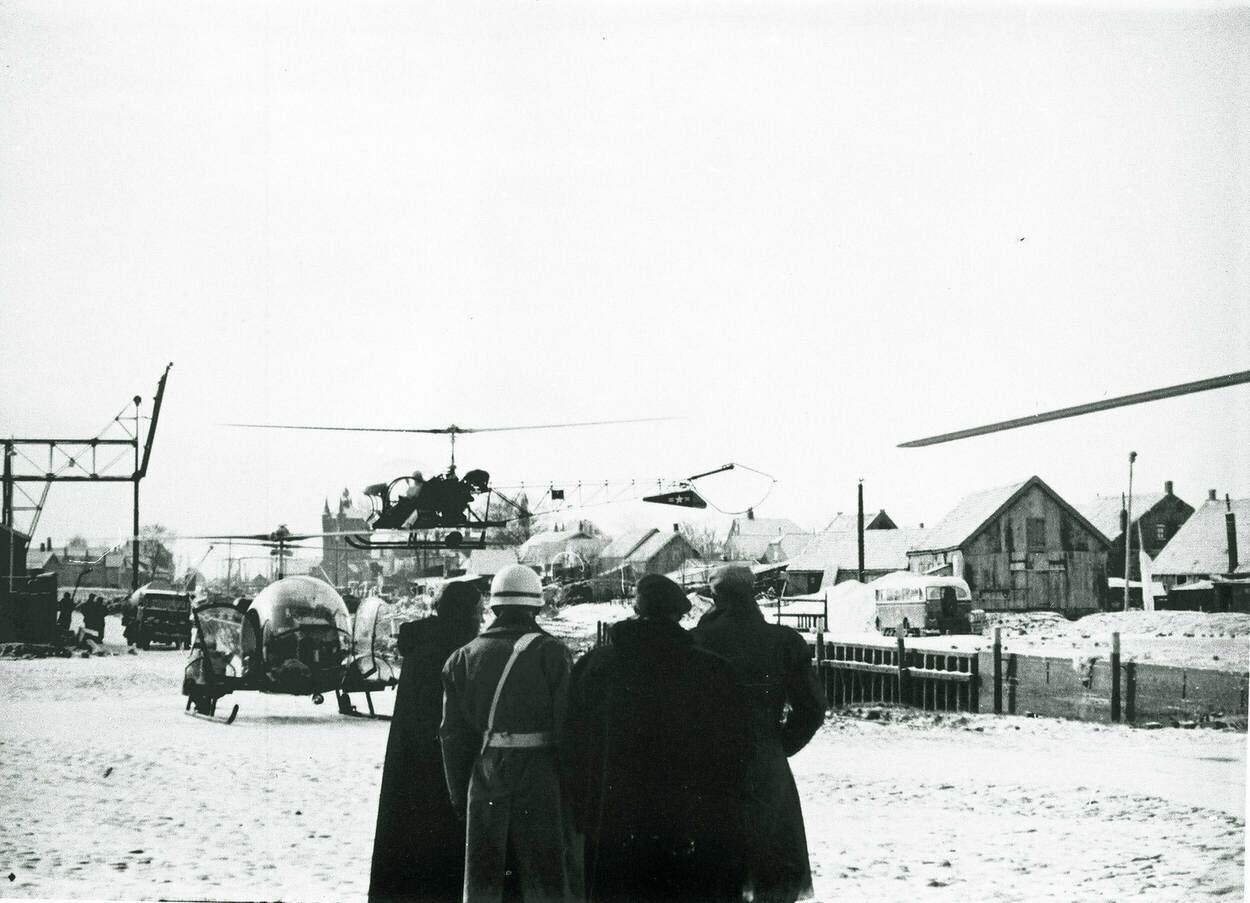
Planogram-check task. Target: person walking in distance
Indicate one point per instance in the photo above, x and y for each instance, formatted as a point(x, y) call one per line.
point(504, 697)
point(657, 742)
point(418, 846)
point(774, 666)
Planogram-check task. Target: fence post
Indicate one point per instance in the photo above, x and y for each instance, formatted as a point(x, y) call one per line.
point(820, 647)
point(1115, 675)
point(1130, 692)
point(974, 683)
point(998, 670)
point(903, 695)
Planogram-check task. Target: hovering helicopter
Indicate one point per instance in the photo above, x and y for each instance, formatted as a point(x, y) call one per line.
point(296, 637)
point(445, 511)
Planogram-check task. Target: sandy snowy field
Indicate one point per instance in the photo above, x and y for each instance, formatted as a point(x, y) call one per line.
point(111, 792)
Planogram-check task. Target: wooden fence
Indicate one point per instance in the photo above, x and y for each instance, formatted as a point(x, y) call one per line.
point(859, 672)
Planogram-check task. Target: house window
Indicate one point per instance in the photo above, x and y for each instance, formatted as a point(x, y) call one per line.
point(1035, 529)
point(1161, 532)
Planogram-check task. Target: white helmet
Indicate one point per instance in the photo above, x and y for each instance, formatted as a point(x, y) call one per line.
point(516, 585)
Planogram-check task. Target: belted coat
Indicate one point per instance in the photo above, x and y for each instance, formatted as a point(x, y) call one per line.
point(775, 669)
point(511, 796)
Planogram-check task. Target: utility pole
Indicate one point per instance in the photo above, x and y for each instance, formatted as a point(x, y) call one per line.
point(1128, 530)
point(134, 533)
point(859, 524)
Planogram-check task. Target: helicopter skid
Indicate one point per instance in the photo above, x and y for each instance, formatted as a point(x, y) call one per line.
point(207, 709)
point(363, 543)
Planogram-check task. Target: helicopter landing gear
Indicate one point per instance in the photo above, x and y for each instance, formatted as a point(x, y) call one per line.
point(347, 707)
point(206, 707)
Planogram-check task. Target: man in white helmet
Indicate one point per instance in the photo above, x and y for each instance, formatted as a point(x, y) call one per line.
point(503, 704)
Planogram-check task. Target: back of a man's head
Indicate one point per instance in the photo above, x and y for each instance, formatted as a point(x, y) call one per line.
point(659, 597)
point(733, 585)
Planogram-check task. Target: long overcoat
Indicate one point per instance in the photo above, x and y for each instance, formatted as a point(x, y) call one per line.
point(418, 847)
point(516, 812)
point(774, 666)
point(656, 744)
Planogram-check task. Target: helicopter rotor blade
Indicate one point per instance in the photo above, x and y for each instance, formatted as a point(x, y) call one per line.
point(444, 430)
point(1201, 385)
point(558, 426)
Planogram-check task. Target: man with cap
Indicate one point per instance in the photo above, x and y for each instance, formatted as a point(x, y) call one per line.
point(504, 696)
point(656, 749)
point(775, 668)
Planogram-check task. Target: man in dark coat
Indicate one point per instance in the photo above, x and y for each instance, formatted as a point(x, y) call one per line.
point(775, 668)
point(656, 744)
point(503, 706)
point(418, 846)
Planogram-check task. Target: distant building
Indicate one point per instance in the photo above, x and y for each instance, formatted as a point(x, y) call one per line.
point(843, 522)
point(1201, 549)
point(1158, 515)
point(648, 551)
point(832, 557)
point(553, 551)
point(343, 564)
point(1020, 547)
point(787, 546)
point(486, 562)
point(750, 536)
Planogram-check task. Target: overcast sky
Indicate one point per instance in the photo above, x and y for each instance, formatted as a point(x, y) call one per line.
point(810, 230)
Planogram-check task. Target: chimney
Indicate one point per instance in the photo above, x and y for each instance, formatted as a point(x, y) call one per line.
point(1167, 487)
point(751, 512)
point(1211, 495)
point(1230, 528)
point(676, 528)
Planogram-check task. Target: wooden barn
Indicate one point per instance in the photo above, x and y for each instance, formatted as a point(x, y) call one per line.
point(1020, 547)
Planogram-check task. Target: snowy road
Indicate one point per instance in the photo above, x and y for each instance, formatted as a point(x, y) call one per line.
point(110, 791)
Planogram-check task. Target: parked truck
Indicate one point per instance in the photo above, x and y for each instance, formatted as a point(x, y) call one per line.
point(160, 616)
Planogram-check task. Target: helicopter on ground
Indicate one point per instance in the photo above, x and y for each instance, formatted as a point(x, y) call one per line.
point(296, 637)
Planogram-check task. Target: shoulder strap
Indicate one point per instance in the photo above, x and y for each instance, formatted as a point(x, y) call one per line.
point(517, 648)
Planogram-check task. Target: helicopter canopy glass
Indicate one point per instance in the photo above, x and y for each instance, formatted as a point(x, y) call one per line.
point(218, 648)
point(376, 639)
point(305, 602)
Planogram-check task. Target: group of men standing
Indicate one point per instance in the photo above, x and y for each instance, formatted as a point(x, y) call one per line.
point(653, 769)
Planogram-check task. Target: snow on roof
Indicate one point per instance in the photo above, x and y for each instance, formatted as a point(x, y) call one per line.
point(541, 548)
point(654, 544)
point(489, 562)
point(967, 517)
point(623, 546)
point(883, 550)
point(881, 520)
point(764, 526)
point(791, 545)
point(974, 511)
point(1104, 511)
point(1200, 546)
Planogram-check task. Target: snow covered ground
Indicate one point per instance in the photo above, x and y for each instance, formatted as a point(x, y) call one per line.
point(111, 791)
